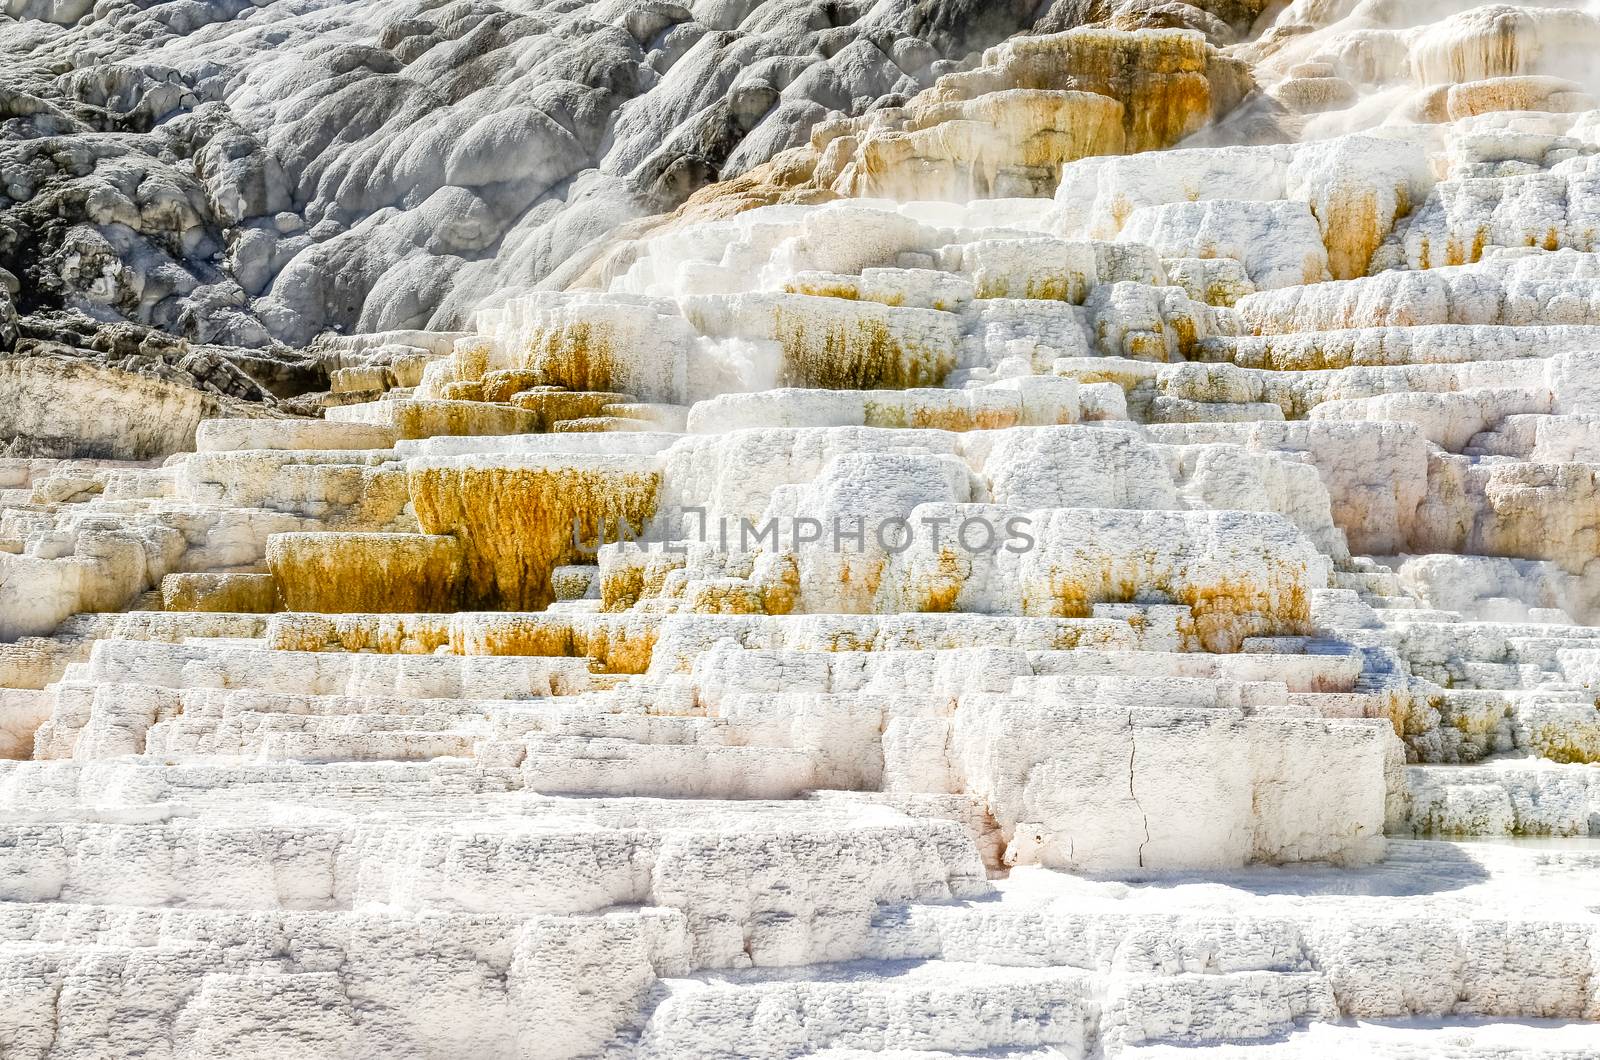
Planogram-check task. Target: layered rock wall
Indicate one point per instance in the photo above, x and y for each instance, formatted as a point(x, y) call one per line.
point(1075, 543)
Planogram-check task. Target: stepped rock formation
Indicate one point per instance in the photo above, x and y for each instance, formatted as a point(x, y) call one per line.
point(762, 529)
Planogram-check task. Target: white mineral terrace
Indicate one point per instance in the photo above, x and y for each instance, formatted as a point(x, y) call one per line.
point(1076, 604)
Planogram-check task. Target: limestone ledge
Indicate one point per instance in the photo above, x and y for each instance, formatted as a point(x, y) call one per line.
point(329, 737)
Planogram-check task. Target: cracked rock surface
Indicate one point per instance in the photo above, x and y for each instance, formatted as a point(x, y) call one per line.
point(792, 530)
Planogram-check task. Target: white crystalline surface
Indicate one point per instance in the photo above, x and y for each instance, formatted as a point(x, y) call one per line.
point(1235, 694)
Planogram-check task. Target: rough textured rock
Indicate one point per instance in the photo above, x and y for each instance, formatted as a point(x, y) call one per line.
point(1051, 551)
point(243, 174)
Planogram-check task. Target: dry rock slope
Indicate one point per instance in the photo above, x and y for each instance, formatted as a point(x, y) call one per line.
point(774, 530)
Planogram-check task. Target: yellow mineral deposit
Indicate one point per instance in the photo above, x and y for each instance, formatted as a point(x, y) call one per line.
point(726, 596)
point(1303, 419)
point(939, 415)
point(1023, 135)
point(515, 517)
point(390, 634)
point(1045, 269)
point(380, 504)
point(488, 633)
point(621, 581)
point(846, 287)
point(238, 593)
point(1499, 40)
point(578, 355)
point(1312, 95)
point(1228, 610)
point(1354, 226)
point(1225, 610)
point(421, 418)
point(1002, 129)
point(618, 644)
point(355, 572)
point(1165, 79)
point(778, 583)
point(552, 405)
point(1043, 128)
point(597, 425)
point(503, 384)
point(464, 390)
point(859, 352)
point(941, 586)
point(1521, 93)
point(471, 358)
point(359, 379)
point(630, 574)
point(1555, 741)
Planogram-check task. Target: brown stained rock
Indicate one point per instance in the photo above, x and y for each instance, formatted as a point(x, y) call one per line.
point(229, 593)
point(516, 520)
point(362, 572)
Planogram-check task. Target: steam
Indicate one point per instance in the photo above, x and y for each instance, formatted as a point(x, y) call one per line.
point(1374, 63)
point(713, 304)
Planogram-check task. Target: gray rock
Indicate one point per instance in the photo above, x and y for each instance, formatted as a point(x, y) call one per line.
point(8, 316)
point(237, 176)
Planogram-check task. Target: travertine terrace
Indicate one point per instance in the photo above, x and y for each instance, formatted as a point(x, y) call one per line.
point(1074, 532)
